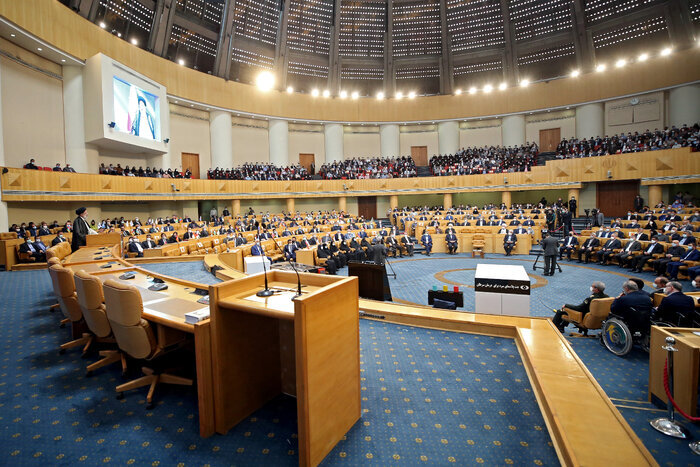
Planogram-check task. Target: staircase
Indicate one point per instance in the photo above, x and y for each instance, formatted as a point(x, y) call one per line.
point(423, 171)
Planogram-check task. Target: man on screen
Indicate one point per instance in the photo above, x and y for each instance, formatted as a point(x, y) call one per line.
point(144, 124)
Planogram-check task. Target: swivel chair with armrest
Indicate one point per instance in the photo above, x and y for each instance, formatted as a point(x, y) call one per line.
point(598, 311)
point(64, 289)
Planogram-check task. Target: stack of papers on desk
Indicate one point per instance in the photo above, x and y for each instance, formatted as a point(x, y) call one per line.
point(196, 316)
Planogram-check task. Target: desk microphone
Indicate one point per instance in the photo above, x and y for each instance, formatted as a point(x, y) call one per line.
point(266, 292)
point(293, 267)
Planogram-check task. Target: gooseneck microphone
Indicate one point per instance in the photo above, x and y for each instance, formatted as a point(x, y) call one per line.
point(293, 267)
point(266, 292)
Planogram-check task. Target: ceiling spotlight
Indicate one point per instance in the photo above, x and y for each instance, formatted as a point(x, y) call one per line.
point(472, 90)
point(399, 95)
point(600, 68)
point(39, 49)
point(412, 94)
point(103, 25)
point(12, 34)
point(488, 88)
point(525, 82)
point(63, 60)
point(135, 41)
point(265, 81)
point(458, 92)
point(326, 93)
point(620, 63)
point(355, 95)
point(119, 34)
point(290, 89)
point(575, 73)
point(181, 61)
point(503, 86)
point(380, 95)
point(643, 57)
point(343, 94)
point(314, 92)
point(666, 52)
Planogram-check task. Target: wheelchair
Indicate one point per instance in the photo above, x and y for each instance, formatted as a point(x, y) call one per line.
point(619, 334)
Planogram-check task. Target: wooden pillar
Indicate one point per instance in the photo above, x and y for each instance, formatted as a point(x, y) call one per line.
point(236, 207)
point(290, 205)
point(342, 204)
point(393, 201)
point(506, 198)
point(447, 200)
point(655, 195)
point(575, 192)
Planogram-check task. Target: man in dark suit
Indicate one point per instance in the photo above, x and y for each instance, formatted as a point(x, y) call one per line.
point(566, 219)
point(568, 246)
point(632, 305)
point(323, 252)
point(451, 243)
point(80, 229)
point(44, 229)
point(509, 242)
point(148, 243)
point(135, 247)
point(32, 250)
point(687, 239)
point(676, 308)
point(637, 262)
point(392, 245)
point(675, 250)
point(573, 205)
point(290, 250)
point(58, 239)
point(639, 235)
point(407, 244)
point(692, 254)
point(626, 254)
point(551, 249)
point(597, 289)
point(427, 242)
point(377, 252)
point(608, 249)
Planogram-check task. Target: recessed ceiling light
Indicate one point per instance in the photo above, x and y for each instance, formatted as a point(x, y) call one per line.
point(12, 34)
point(643, 57)
point(502, 86)
point(380, 95)
point(575, 73)
point(458, 92)
point(600, 68)
point(63, 60)
point(39, 49)
point(472, 90)
point(620, 63)
point(355, 95)
point(314, 92)
point(265, 81)
point(290, 89)
point(134, 41)
point(525, 82)
point(343, 94)
point(181, 61)
point(103, 25)
point(488, 88)
point(399, 95)
point(666, 51)
point(412, 95)
point(326, 93)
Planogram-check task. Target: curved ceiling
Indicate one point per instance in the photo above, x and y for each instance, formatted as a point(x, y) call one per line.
point(424, 46)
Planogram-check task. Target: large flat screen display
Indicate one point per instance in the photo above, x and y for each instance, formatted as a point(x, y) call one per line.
point(136, 111)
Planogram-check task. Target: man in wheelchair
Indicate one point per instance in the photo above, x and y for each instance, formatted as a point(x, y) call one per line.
point(676, 308)
point(633, 306)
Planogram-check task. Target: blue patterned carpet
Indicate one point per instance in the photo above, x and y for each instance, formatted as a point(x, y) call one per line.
point(428, 397)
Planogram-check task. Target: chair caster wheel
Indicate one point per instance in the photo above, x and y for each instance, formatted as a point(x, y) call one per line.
point(120, 396)
point(62, 351)
point(150, 406)
point(88, 374)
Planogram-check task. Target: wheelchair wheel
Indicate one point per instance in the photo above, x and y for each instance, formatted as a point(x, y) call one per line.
point(617, 337)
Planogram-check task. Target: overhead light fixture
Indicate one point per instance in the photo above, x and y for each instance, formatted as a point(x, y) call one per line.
point(12, 34)
point(620, 63)
point(326, 93)
point(380, 95)
point(290, 89)
point(575, 73)
point(181, 61)
point(472, 90)
point(458, 92)
point(134, 41)
point(103, 25)
point(63, 60)
point(524, 82)
point(355, 95)
point(399, 95)
point(39, 49)
point(412, 95)
point(265, 81)
point(643, 57)
point(600, 68)
point(343, 94)
point(666, 52)
point(488, 88)
point(502, 86)
point(314, 92)
point(119, 34)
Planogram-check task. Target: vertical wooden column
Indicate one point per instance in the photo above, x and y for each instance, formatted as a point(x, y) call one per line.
point(342, 203)
point(575, 192)
point(655, 195)
point(290, 205)
point(393, 201)
point(506, 198)
point(236, 207)
point(447, 200)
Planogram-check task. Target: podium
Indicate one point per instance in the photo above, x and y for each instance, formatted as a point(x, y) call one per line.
point(501, 290)
point(373, 283)
point(308, 347)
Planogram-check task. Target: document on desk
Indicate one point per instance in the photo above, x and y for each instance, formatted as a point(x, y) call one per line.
point(280, 301)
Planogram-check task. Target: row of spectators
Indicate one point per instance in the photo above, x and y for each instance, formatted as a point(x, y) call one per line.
point(141, 172)
point(484, 160)
point(364, 168)
point(31, 165)
point(260, 172)
point(668, 138)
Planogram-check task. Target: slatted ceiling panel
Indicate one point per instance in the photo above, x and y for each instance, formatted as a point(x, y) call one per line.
point(257, 20)
point(247, 57)
point(491, 66)
point(598, 10)
point(362, 73)
point(475, 24)
point(417, 72)
point(309, 26)
point(307, 69)
point(422, 79)
point(362, 28)
point(547, 63)
point(192, 40)
point(206, 10)
point(631, 38)
point(416, 28)
point(365, 80)
point(536, 18)
point(131, 11)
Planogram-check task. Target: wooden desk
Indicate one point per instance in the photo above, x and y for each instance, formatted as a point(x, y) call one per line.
point(167, 309)
point(308, 347)
point(686, 366)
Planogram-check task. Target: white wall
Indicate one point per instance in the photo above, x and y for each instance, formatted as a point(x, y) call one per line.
point(32, 107)
point(635, 117)
point(430, 139)
point(490, 136)
point(189, 133)
point(306, 143)
point(361, 145)
point(567, 127)
point(250, 145)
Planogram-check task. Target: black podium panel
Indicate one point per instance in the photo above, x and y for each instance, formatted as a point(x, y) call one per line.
point(455, 297)
point(372, 279)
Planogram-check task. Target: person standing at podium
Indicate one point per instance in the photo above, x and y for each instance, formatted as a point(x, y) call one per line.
point(377, 252)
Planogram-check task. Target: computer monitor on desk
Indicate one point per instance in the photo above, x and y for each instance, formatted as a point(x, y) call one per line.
point(307, 347)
